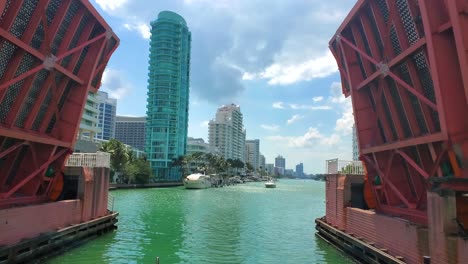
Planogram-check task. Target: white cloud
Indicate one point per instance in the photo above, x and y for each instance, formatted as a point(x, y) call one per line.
point(344, 124)
point(337, 94)
point(248, 76)
point(284, 74)
point(310, 107)
point(142, 28)
point(110, 5)
point(204, 124)
point(317, 99)
point(311, 138)
point(114, 83)
point(270, 127)
point(294, 118)
point(278, 105)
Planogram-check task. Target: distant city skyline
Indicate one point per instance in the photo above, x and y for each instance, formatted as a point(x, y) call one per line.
point(286, 80)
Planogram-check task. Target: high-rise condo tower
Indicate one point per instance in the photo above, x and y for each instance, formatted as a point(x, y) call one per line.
point(168, 94)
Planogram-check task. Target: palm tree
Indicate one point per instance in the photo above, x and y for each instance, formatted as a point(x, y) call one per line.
point(119, 154)
point(180, 162)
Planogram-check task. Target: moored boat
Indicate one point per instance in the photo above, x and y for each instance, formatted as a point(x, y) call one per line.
point(270, 184)
point(197, 181)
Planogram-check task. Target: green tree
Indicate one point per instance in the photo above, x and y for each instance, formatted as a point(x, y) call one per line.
point(249, 167)
point(119, 154)
point(181, 162)
point(138, 171)
point(238, 164)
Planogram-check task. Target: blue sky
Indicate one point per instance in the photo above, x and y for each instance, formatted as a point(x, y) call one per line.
point(270, 57)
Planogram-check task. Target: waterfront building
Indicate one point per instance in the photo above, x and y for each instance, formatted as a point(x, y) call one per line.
point(227, 133)
point(300, 170)
point(106, 118)
point(131, 131)
point(270, 168)
point(289, 172)
point(280, 165)
point(168, 94)
point(261, 161)
point(252, 152)
point(279, 171)
point(88, 126)
point(280, 162)
point(197, 145)
point(355, 144)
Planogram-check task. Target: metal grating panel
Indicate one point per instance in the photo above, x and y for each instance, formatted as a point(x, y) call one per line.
point(51, 125)
point(84, 21)
point(26, 64)
point(408, 21)
point(8, 100)
point(38, 37)
point(370, 16)
point(390, 121)
point(416, 105)
point(71, 12)
point(51, 10)
point(32, 96)
point(399, 107)
point(5, 10)
point(383, 9)
point(426, 81)
point(22, 19)
point(80, 60)
point(42, 111)
point(6, 52)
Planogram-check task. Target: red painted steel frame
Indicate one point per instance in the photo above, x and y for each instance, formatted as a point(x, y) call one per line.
point(47, 69)
point(404, 64)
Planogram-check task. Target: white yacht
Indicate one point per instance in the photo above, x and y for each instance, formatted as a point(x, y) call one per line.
point(270, 184)
point(197, 181)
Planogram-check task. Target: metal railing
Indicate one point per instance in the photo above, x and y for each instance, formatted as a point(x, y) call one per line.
point(336, 166)
point(99, 159)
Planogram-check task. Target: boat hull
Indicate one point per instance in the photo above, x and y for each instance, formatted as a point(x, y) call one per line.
point(270, 185)
point(197, 184)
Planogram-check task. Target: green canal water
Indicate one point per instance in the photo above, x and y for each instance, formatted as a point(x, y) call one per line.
point(245, 223)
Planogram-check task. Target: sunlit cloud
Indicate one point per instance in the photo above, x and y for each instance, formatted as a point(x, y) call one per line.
point(278, 105)
point(294, 118)
point(270, 127)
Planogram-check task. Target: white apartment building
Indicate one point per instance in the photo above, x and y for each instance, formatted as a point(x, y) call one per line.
point(89, 119)
point(226, 132)
point(252, 152)
point(261, 161)
point(107, 114)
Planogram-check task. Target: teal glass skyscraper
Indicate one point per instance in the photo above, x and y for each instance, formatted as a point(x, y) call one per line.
point(168, 94)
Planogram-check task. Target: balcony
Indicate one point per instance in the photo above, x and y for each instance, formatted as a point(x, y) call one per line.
point(99, 159)
point(336, 166)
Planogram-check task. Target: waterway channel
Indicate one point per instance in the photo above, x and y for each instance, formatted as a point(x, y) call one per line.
point(246, 223)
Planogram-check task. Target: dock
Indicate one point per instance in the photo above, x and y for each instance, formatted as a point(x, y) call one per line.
point(54, 243)
point(355, 247)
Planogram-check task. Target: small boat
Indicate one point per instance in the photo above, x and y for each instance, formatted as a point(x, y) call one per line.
point(270, 184)
point(197, 181)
